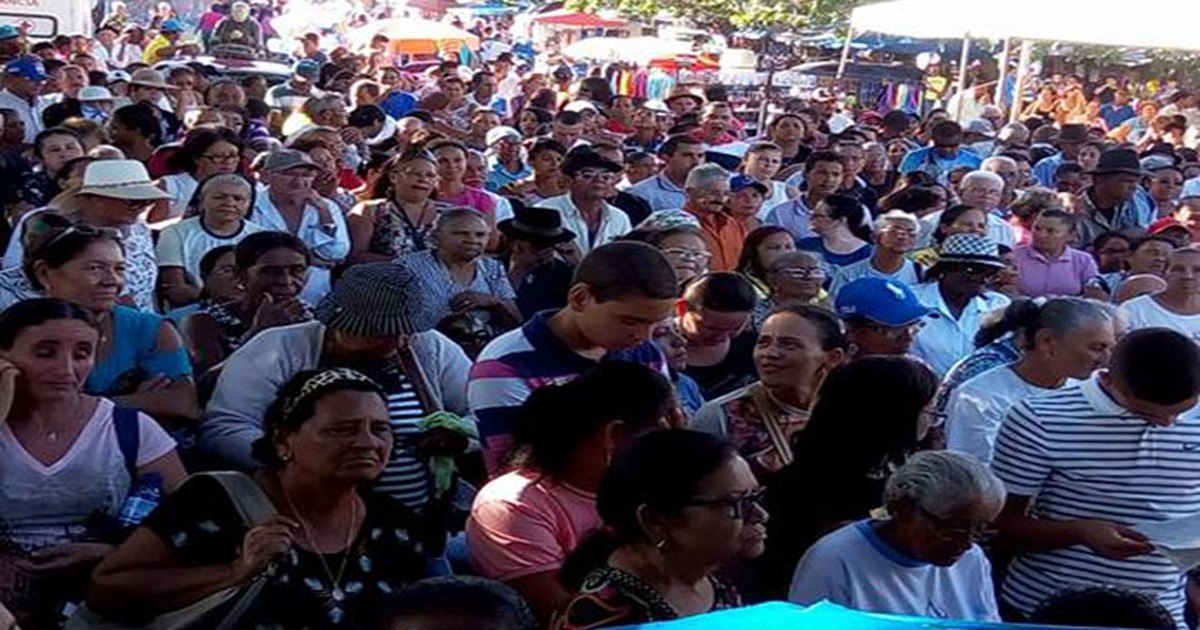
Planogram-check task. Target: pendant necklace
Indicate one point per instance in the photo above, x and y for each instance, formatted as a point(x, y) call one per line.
point(335, 581)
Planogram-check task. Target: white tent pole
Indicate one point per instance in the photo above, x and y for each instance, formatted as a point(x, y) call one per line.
point(845, 51)
point(962, 74)
point(998, 96)
point(1022, 74)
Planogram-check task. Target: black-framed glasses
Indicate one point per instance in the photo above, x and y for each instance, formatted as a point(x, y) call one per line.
point(950, 532)
point(736, 507)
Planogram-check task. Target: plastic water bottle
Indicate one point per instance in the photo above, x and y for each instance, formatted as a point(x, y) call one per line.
point(143, 497)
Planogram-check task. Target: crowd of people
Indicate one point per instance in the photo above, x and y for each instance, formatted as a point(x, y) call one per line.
point(483, 347)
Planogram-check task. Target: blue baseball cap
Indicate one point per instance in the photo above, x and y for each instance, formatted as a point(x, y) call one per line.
point(8, 31)
point(30, 68)
point(171, 26)
point(880, 300)
point(742, 182)
point(307, 68)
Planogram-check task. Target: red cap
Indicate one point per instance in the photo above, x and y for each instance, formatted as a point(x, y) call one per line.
point(1164, 224)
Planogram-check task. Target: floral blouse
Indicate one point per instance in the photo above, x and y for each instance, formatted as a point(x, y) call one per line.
point(611, 597)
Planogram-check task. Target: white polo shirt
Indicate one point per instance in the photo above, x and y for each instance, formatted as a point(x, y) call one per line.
point(614, 223)
point(29, 113)
point(946, 339)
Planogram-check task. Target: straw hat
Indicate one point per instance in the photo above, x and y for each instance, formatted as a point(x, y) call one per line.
point(120, 179)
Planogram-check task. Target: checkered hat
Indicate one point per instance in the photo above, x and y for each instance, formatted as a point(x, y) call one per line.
point(970, 249)
point(378, 300)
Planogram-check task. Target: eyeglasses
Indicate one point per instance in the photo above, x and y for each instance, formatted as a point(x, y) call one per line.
point(735, 507)
point(801, 273)
point(81, 229)
point(896, 332)
point(951, 533)
point(695, 255)
point(979, 271)
point(595, 176)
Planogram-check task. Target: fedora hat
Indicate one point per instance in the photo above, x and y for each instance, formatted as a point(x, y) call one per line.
point(149, 77)
point(682, 92)
point(120, 179)
point(380, 299)
point(1073, 133)
point(539, 225)
point(1118, 161)
point(969, 249)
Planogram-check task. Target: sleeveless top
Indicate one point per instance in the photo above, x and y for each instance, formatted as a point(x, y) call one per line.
point(395, 234)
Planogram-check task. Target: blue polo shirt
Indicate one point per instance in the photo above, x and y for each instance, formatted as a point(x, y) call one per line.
point(659, 192)
point(927, 160)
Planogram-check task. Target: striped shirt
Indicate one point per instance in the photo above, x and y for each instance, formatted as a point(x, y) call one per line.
point(522, 360)
point(406, 477)
point(1081, 456)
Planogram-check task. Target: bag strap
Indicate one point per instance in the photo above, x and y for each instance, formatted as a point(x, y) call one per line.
point(128, 429)
point(248, 499)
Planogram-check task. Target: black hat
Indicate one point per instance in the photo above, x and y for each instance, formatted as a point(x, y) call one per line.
point(585, 157)
point(1118, 161)
point(1073, 133)
point(378, 300)
point(539, 225)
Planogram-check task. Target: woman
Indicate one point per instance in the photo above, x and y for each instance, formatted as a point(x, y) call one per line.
point(923, 559)
point(219, 209)
point(141, 362)
point(955, 220)
point(457, 276)
point(762, 246)
point(895, 150)
point(842, 458)
point(451, 156)
point(1164, 185)
point(524, 523)
point(66, 471)
point(878, 171)
point(789, 131)
point(1147, 257)
point(272, 268)
point(1023, 211)
point(843, 233)
point(533, 122)
point(53, 148)
point(206, 151)
point(218, 284)
point(1060, 339)
point(1045, 106)
point(1177, 308)
point(333, 553)
point(796, 348)
point(400, 214)
point(676, 506)
point(670, 340)
point(135, 131)
point(686, 250)
point(794, 279)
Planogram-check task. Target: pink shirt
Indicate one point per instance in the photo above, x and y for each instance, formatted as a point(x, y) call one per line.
point(522, 524)
point(1065, 275)
point(472, 198)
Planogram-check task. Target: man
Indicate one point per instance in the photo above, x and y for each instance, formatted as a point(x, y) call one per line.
point(310, 48)
point(895, 235)
point(979, 137)
point(537, 268)
point(647, 133)
point(968, 104)
point(238, 29)
point(165, 45)
point(1070, 140)
point(715, 123)
point(507, 164)
point(944, 155)
point(1086, 467)
point(679, 154)
point(633, 206)
point(291, 94)
point(482, 121)
point(23, 81)
point(619, 293)
point(1119, 110)
point(566, 128)
point(63, 104)
point(146, 86)
point(853, 160)
point(585, 209)
point(706, 192)
point(984, 190)
point(823, 174)
point(1111, 203)
point(714, 316)
point(508, 83)
point(483, 93)
point(882, 316)
point(1008, 170)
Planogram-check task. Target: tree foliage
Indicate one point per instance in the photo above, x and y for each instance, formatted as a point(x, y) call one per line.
point(730, 15)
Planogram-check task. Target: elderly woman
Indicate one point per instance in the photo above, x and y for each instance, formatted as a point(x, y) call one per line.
point(794, 279)
point(374, 321)
point(796, 347)
point(327, 437)
point(922, 560)
point(398, 217)
point(206, 151)
point(677, 506)
point(271, 268)
point(220, 206)
point(65, 458)
point(457, 275)
point(685, 248)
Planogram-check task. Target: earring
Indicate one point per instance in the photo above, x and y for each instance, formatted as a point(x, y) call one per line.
point(661, 545)
point(287, 458)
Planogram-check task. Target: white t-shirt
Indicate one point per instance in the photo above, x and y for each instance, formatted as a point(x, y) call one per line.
point(1146, 312)
point(997, 229)
point(855, 568)
point(48, 505)
point(978, 406)
point(185, 243)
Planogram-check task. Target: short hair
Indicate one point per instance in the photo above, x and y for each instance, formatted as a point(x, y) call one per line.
point(627, 269)
point(763, 147)
point(1057, 214)
point(1024, 317)
point(821, 156)
point(247, 252)
point(1068, 168)
point(568, 118)
point(706, 174)
point(721, 291)
point(985, 176)
point(49, 133)
point(1158, 365)
point(1102, 606)
point(998, 159)
point(469, 600)
point(672, 144)
point(897, 216)
point(546, 144)
point(940, 481)
point(140, 118)
point(208, 262)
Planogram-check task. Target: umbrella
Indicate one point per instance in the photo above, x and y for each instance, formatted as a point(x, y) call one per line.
point(414, 36)
point(566, 17)
point(630, 49)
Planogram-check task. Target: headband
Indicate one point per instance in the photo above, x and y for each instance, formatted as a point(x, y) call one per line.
point(322, 381)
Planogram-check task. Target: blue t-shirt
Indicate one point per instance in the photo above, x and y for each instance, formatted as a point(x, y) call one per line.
point(398, 104)
point(833, 260)
point(133, 355)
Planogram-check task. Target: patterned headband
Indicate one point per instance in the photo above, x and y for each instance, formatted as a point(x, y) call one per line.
point(323, 380)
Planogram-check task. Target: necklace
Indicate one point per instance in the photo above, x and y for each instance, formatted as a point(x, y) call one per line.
point(55, 434)
point(335, 581)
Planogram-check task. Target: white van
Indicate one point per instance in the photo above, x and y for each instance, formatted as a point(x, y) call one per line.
point(44, 19)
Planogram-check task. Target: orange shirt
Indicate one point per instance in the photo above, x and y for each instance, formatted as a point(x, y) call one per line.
point(724, 236)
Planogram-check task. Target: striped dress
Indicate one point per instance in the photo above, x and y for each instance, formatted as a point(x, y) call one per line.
point(1084, 457)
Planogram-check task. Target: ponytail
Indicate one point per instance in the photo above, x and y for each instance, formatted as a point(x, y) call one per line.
point(1025, 317)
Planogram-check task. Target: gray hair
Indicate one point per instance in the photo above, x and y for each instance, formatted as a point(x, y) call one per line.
point(450, 215)
point(997, 159)
point(706, 174)
point(1026, 316)
point(981, 176)
point(941, 481)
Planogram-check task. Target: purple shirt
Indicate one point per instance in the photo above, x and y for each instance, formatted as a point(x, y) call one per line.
point(1065, 275)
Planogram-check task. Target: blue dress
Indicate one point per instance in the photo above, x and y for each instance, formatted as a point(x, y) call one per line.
point(133, 356)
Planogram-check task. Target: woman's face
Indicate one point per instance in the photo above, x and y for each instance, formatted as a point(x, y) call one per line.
point(822, 221)
point(970, 222)
point(688, 255)
point(787, 130)
point(529, 124)
point(222, 284)
point(1112, 254)
point(774, 246)
point(1089, 156)
point(414, 181)
point(800, 280)
point(57, 150)
point(462, 239)
point(1151, 257)
point(895, 153)
point(54, 358)
point(1166, 185)
point(93, 279)
point(476, 171)
point(1183, 272)
point(763, 165)
point(1081, 350)
point(745, 203)
point(225, 202)
point(942, 539)
point(728, 525)
point(788, 354)
point(451, 164)
point(348, 438)
point(280, 273)
point(673, 344)
point(1050, 234)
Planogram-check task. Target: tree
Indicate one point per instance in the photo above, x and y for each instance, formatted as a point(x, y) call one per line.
point(730, 15)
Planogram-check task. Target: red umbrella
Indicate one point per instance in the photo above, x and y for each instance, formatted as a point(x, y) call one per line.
point(565, 17)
